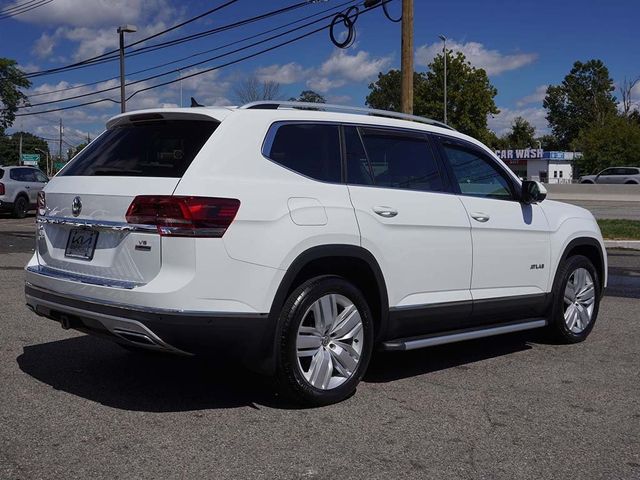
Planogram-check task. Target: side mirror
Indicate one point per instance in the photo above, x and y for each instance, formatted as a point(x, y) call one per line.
point(533, 192)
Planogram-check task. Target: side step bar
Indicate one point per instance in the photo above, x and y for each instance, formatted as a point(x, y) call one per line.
point(431, 340)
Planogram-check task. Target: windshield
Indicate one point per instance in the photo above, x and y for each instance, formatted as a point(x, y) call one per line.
point(163, 148)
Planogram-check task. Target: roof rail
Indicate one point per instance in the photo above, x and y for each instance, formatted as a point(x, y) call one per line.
point(274, 105)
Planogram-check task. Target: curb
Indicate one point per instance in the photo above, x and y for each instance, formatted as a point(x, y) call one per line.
point(628, 244)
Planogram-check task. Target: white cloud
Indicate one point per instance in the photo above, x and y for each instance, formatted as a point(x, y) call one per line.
point(493, 61)
point(339, 99)
point(285, 74)
point(536, 97)
point(44, 46)
point(91, 24)
point(88, 13)
point(337, 71)
point(501, 123)
point(324, 84)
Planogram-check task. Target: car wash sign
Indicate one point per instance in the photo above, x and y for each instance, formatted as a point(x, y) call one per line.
point(520, 154)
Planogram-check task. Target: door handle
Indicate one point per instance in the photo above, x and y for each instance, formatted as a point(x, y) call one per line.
point(480, 217)
point(386, 212)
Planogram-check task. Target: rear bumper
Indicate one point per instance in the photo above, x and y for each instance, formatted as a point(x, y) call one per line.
point(6, 206)
point(249, 337)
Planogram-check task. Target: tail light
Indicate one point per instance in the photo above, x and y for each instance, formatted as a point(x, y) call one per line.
point(184, 216)
point(1, 188)
point(42, 203)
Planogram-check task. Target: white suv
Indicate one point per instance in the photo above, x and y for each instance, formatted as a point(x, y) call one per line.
point(299, 239)
point(19, 187)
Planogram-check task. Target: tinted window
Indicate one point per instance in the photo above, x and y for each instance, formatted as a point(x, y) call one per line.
point(41, 177)
point(149, 149)
point(402, 160)
point(312, 150)
point(476, 174)
point(1, 173)
point(358, 169)
point(22, 175)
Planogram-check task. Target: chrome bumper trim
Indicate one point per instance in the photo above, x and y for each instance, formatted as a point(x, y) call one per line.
point(96, 224)
point(87, 279)
point(152, 310)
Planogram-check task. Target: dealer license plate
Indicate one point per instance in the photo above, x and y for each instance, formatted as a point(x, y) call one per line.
point(81, 243)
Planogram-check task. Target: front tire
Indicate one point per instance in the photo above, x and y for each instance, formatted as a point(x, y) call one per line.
point(20, 208)
point(576, 301)
point(325, 341)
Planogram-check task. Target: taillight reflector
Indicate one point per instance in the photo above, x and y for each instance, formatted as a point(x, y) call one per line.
point(1, 188)
point(184, 216)
point(42, 203)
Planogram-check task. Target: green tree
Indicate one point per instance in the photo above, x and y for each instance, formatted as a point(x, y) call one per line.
point(584, 98)
point(549, 142)
point(12, 79)
point(610, 143)
point(309, 96)
point(522, 134)
point(385, 93)
point(470, 95)
point(10, 148)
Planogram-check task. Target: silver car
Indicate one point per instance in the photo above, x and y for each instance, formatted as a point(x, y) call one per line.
point(19, 187)
point(620, 175)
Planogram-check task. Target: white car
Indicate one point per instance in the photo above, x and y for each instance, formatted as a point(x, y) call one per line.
point(19, 187)
point(299, 238)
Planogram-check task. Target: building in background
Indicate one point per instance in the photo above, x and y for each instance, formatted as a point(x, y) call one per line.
point(536, 164)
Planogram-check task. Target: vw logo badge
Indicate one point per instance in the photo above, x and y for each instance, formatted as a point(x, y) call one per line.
point(76, 206)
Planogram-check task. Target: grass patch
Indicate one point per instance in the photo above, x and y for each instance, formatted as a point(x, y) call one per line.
point(620, 229)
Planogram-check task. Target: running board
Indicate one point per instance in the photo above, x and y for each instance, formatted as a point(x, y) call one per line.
point(413, 343)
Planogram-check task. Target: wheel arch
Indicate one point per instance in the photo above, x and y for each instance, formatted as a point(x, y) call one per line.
point(592, 249)
point(352, 262)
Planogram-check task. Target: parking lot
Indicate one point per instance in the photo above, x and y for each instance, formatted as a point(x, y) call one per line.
point(509, 407)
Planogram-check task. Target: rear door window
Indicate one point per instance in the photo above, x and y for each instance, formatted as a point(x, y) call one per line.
point(163, 148)
point(310, 149)
point(402, 160)
point(22, 175)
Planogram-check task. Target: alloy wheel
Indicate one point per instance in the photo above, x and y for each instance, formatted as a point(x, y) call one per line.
point(329, 341)
point(579, 300)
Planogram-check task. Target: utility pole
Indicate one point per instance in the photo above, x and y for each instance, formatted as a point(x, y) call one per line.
point(121, 31)
point(60, 143)
point(20, 151)
point(444, 53)
point(407, 56)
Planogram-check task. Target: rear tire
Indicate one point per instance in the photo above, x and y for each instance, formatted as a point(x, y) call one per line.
point(325, 341)
point(576, 300)
point(20, 207)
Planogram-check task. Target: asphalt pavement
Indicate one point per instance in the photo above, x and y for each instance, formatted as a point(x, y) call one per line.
point(517, 406)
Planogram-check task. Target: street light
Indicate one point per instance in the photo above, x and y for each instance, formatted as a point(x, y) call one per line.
point(121, 31)
point(46, 156)
point(444, 51)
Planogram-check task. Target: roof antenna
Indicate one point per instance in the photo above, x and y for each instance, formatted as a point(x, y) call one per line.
point(194, 103)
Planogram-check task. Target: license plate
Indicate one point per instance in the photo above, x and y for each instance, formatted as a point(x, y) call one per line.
point(81, 243)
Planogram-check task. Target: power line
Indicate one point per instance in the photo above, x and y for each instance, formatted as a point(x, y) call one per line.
point(193, 55)
point(110, 56)
point(192, 65)
point(115, 51)
point(39, 3)
point(246, 57)
point(18, 6)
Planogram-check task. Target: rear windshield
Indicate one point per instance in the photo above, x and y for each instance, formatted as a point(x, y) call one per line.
point(1, 173)
point(151, 149)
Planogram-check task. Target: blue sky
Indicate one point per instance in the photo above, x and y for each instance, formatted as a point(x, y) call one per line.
point(523, 45)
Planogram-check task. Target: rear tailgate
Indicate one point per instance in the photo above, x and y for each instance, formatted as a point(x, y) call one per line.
point(83, 232)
